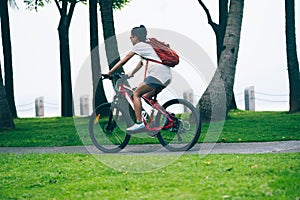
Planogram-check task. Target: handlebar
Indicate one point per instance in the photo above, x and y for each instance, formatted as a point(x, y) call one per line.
point(114, 76)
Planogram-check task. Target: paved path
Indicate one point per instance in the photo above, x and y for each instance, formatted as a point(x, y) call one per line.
point(211, 148)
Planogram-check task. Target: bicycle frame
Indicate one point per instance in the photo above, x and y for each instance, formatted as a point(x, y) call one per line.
point(178, 132)
point(123, 90)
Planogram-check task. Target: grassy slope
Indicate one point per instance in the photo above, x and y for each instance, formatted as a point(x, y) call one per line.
point(241, 126)
point(261, 126)
point(41, 132)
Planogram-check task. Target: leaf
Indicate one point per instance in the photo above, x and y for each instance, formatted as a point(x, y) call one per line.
point(229, 169)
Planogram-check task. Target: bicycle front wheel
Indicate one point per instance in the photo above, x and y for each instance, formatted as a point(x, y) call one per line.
point(107, 128)
point(186, 128)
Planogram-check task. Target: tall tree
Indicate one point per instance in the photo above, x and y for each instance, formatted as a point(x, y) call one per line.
point(219, 30)
point(6, 120)
point(66, 10)
point(223, 79)
point(112, 53)
point(98, 90)
point(110, 41)
point(8, 67)
point(292, 59)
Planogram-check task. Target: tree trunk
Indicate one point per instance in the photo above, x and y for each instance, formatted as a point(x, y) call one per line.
point(111, 45)
point(223, 17)
point(8, 69)
point(216, 100)
point(292, 59)
point(98, 90)
point(6, 120)
point(219, 30)
point(66, 83)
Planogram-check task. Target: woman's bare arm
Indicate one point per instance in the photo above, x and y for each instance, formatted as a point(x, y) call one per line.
point(122, 62)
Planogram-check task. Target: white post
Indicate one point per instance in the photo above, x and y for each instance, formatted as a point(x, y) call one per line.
point(84, 105)
point(39, 107)
point(189, 96)
point(250, 98)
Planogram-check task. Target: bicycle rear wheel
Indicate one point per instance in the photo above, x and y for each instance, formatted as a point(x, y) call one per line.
point(107, 128)
point(186, 129)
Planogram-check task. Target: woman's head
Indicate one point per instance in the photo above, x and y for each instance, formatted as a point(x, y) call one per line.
point(139, 32)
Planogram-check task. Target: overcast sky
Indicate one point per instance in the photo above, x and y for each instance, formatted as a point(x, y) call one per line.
point(261, 61)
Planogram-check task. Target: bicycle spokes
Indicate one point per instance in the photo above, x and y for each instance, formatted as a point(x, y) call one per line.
point(108, 128)
point(181, 130)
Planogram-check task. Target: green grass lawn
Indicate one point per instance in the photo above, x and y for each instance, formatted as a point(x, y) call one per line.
point(261, 126)
point(56, 131)
point(79, 176)
point(74, 176)
point(241, 126)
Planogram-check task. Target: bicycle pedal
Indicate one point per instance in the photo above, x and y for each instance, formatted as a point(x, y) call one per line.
point(152, 134)
point(97, 119)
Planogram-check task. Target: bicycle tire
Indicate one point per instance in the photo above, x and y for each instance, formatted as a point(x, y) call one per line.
point(109, 138)
point(180, 138)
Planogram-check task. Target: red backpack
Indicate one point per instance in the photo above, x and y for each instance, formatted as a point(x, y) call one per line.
point(167, 55)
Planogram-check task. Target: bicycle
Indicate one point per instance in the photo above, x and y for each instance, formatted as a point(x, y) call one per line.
point(176, 123)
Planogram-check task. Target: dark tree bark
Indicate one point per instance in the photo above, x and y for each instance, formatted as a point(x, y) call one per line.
point(8, 68)
point(98, 90)
point(292, 59)
point(111, 45)
point(63, 32)
point(219, 30)
point(6, 120)
point(110, 40)
point(217, 98)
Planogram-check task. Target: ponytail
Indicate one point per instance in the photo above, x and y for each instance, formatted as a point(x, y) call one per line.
point(140, 32)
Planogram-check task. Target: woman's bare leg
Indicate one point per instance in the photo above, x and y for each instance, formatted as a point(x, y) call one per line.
point(138, 93)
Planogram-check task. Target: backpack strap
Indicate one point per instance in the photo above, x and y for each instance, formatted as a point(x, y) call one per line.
point(156, 61)
point(147, 63)
point(146, 69)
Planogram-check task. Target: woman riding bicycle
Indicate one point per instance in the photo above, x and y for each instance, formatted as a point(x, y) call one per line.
point(158, 76)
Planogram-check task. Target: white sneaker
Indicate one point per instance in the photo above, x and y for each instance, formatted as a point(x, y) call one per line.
point(136, 127)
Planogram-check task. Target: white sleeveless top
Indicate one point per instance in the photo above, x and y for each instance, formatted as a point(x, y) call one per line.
point(159, 71)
